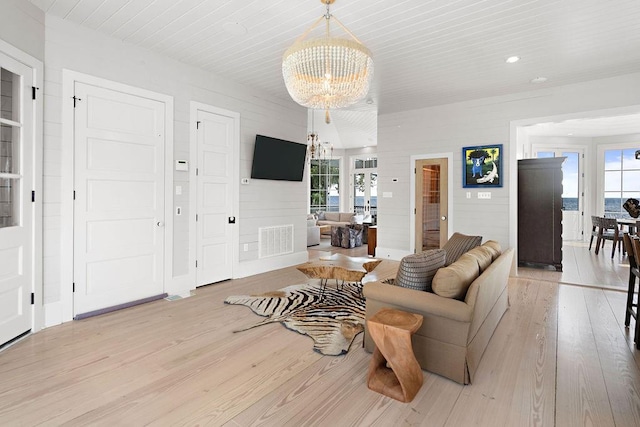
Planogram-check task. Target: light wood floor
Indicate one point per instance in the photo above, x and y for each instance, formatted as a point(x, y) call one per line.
point(560, 356)
point(581, 266)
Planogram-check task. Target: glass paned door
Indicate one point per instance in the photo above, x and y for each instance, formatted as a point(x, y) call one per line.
point(16, 209)
point(365, 193)
point(431, 204)
point(10, 132)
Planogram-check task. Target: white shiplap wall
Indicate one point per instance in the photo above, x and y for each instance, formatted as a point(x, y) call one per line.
point(448, 128)
point(22, 25)
point(262, 203)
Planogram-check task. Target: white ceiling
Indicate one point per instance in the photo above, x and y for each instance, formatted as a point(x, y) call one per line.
point(426, 52)
point(589, 128)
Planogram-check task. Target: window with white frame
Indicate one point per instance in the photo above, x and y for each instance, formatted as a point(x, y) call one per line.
point(325, 185)
point(621, 180)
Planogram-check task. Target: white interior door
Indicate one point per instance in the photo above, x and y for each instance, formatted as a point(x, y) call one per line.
point(214, 197)
point(16, 208)
point(119, 198)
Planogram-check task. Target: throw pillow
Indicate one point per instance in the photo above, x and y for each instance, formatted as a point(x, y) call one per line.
point(454, 281)
point(494, 247)
point(483, 255)
point(459, 244)
point(416, 271)
point(321, 215)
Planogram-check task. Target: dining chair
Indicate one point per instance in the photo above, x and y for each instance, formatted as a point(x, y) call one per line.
point(609, 230)
point(595, 229)
point(632, 244)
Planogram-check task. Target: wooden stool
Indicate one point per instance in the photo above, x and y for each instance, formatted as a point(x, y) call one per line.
point(391, 330)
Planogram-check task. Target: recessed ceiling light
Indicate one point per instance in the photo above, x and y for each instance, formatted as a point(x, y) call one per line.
point(538, 80)
point(512, 59)
point(234, 28)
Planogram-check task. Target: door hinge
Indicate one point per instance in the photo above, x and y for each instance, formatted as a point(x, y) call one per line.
point(74, 194)
point(33, 196)
point(73, 289)
point(34, 91)
point(198, 124)
point(196, 263)
point(197, 171)
point(415, 211)
point(33, 298)
point(196, 217)
point(75, 100)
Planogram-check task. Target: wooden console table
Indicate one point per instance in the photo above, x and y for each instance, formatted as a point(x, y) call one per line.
point(372, 240)
point(391, 330)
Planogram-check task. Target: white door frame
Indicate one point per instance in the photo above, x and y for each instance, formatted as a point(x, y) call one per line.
point(37, 322)
point(193, 188)
point(412, 192)
point(69, 78)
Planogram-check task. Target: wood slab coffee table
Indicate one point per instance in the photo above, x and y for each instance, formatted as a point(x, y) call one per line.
point(339, 267)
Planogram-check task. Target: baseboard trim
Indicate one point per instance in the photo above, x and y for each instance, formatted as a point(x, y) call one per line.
point(52, 314)
point(250, 268)
point(388, 253)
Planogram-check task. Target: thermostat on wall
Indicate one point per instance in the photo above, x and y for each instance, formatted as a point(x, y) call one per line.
point(182, 165)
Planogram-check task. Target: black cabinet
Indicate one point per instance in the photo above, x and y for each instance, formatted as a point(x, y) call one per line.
point(540, 212)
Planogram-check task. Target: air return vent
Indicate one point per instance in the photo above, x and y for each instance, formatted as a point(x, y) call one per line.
point(276, 240)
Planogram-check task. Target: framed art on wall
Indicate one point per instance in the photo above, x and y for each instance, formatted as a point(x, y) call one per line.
point(482, 166)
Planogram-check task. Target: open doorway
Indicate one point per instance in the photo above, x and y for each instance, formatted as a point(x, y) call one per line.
point(586, 134)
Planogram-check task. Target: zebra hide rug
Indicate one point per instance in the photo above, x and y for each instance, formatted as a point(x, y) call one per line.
point(332, 321)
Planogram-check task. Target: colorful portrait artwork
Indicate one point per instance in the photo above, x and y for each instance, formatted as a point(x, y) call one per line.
point(482, 166)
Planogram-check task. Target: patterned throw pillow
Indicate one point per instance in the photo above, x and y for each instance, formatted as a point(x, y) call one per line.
point(416, 271)
point(459, 244)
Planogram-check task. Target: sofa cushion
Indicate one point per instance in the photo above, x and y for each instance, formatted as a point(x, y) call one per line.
point(494, 247)
point(345, 217)
point(332, 216)
point(459, 244)
point(454, 281)
point(483, 256)
point(416, 271)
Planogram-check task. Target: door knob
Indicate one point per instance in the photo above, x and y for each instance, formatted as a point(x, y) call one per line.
point(444, 218)
point(160, 224)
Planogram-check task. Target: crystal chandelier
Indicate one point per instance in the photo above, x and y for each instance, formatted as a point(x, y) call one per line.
point(327, 72)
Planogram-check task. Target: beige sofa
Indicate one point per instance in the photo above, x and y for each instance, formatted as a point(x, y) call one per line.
point(454, 333)
point(335, 219)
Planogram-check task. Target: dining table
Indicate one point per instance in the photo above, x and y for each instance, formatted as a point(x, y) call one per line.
point(630, 223)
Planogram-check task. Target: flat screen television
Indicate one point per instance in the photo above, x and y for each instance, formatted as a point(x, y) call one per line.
point(278, 159)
